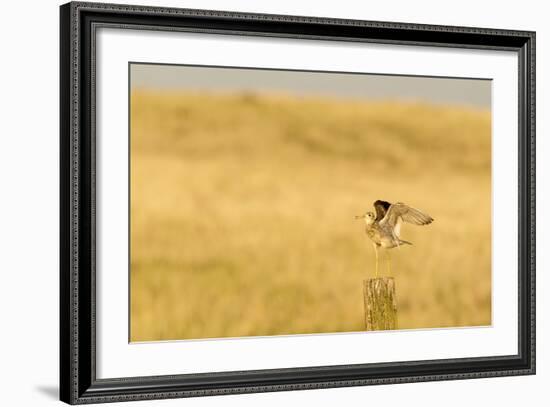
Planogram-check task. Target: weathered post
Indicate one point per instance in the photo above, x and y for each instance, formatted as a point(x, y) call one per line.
point(380, 304)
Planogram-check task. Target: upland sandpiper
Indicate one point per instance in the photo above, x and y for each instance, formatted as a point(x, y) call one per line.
point(384, 228)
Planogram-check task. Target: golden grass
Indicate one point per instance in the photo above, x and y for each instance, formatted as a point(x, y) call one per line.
point(242, 213)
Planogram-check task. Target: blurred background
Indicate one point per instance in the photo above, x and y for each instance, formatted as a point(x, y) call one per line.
point(245, 184)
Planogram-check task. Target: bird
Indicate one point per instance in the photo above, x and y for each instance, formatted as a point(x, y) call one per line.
point(384, 228)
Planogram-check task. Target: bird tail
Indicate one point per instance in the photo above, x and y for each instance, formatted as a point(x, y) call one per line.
point(404, 242)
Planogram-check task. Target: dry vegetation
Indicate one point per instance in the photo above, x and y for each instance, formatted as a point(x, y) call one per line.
point(242, 213)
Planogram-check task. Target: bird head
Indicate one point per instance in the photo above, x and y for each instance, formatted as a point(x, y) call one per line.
point(368, 217)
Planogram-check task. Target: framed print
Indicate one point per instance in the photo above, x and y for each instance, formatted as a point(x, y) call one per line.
point(255, 203)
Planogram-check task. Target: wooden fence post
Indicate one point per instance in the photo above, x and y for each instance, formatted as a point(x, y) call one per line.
point(380, 304)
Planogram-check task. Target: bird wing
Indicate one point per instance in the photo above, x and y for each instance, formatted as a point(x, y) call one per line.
point(381, 208)
point(400, 212)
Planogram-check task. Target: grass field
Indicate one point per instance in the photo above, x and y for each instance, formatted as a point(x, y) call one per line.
point(243, 205)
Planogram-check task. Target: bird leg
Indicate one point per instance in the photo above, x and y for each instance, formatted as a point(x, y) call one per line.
point(388, 261)
point(376, 254)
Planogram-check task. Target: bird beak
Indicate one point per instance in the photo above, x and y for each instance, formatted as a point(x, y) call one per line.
point(359, 217)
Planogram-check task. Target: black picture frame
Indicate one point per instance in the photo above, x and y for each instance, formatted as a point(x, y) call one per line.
point(78, 382)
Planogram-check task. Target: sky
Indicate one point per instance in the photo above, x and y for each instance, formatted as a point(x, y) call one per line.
point(470, 92)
